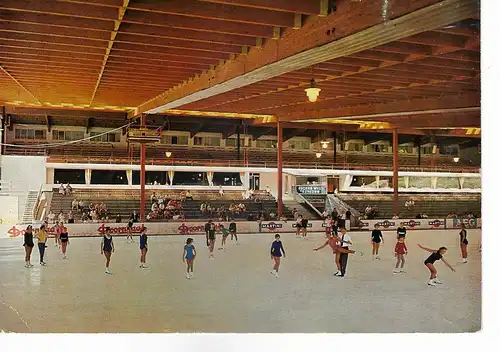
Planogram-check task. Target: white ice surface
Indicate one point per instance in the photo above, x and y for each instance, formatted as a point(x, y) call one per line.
point(235, 292)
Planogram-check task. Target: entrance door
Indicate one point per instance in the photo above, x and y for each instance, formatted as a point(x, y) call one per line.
point(255, 182)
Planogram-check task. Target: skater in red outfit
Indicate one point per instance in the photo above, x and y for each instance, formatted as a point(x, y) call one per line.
point(400, 251)
point(429, 263)
point(333, 241)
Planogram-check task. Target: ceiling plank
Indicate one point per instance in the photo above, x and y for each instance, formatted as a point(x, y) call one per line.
point(20, 85)
point(459, 101)
point(234, 75)
point(117, 23)
point(309, 7)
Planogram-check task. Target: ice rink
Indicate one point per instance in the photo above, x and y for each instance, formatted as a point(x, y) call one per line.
point(235, 292)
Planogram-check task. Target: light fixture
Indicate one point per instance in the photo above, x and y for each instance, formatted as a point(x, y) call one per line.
point(324, 144)
point(456, 159)
point(312, 92)
point(168, 154)
point(318, 155)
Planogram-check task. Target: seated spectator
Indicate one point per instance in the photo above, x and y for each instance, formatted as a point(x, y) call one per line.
point(74, 204)
point(81, 205)
point(283, 218)
point(203, 207)
point(268, 189)
point(221, 192)
point(189, 196)
point(154, 198)
point(154, 207)
point(61, 189)
point(118, 218)
point(135, 217)
point(68, 190)
point(395, 217)
point(272, 215)
point(61, 217)
point(71, 217)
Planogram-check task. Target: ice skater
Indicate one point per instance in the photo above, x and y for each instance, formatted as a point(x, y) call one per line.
point(59, 227)
point(208, 224)
point(28, 246)
point(64, 238)
point(376, 239)
point(188, 256)
point(332, 241)
point(400, 251)
point(429, 263)
point(232, 231)
point(345, 241)
point(107, 248)
point(211, 240)
point(298, 226)
point(277, 251)
point(401, 231)
point(129, 230)
point(225, 233)
point(143, 246)
point(42, 237)
point(328, 226)
point(464, 243)
point(304, 225)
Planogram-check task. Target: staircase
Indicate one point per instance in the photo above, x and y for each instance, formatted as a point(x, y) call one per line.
point(30, 205)
point(290, 204)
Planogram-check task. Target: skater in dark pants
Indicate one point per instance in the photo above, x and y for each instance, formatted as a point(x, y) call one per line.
point(207, 230)
point(42, 239)
point(345, 241)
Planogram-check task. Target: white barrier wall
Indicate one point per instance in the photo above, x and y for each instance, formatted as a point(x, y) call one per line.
point(244, 227)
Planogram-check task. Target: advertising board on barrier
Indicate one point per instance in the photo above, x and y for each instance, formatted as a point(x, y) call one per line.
point(198, 227)
point(469, 223)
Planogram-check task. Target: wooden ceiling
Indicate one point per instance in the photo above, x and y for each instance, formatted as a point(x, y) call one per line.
point(195, 55)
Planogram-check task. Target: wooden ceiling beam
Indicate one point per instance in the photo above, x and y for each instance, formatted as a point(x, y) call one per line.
point(310, 7)
point(65, 112)
point(470, 100)
point(78, 10)
point(212, 11)
point(200, 24)
point(195, 129)
point(252, 68)
point(20, 84)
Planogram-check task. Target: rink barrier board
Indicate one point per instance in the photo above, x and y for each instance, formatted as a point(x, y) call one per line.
point(243, 227)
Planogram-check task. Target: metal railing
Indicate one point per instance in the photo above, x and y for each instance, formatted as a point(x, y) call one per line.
point(262, 164)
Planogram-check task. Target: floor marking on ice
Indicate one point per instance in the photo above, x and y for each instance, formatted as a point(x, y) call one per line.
point(17, 312)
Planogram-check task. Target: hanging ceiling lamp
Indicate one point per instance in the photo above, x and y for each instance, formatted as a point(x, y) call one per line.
point(318, 155)
point(456, 159)
point(168, 154)
point(324, 144)
point(312, 92)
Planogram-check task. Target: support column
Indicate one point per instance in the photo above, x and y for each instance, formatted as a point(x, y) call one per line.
point(279, 131)
point(335, 147)
point(419, 146)
point(395, 167)
point(238, 143)
point(142, 210)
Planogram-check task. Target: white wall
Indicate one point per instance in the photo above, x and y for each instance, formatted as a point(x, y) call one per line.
point(21, 174)
point(9, 212)
point(270, 179)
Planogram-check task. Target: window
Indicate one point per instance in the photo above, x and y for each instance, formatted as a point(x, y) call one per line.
point(265, 143)
point(427, 150)
point(405, 149)
point(355, 147)
point(378, 148)
point(209, 141)
point(110, 137)
point(175, 140)
point(302, 145)
point(30, 134)
point(67, 135)
point(231, 142)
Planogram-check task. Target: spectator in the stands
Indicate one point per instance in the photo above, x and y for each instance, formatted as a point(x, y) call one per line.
point(71, 217)
point(242, 207)
point(74, 204)
point(221, 192)
point(61, 217)
point(61, 189)
point(189, 196)
point(295, 213)
point(81, 205)
point(118, 218)
point(272, 215)
point(268, 189)
point(324, 215)
point(348, 216)
point(68, 190)
point(135, 216)
point(395, 217)
point(203, 207)
point(51, 217)
point(283, 218)
point(154, 198)
point(154, 207)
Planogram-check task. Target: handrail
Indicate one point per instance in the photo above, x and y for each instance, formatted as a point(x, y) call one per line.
point(37, 202)
point(241, 163)
point(307, 202)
